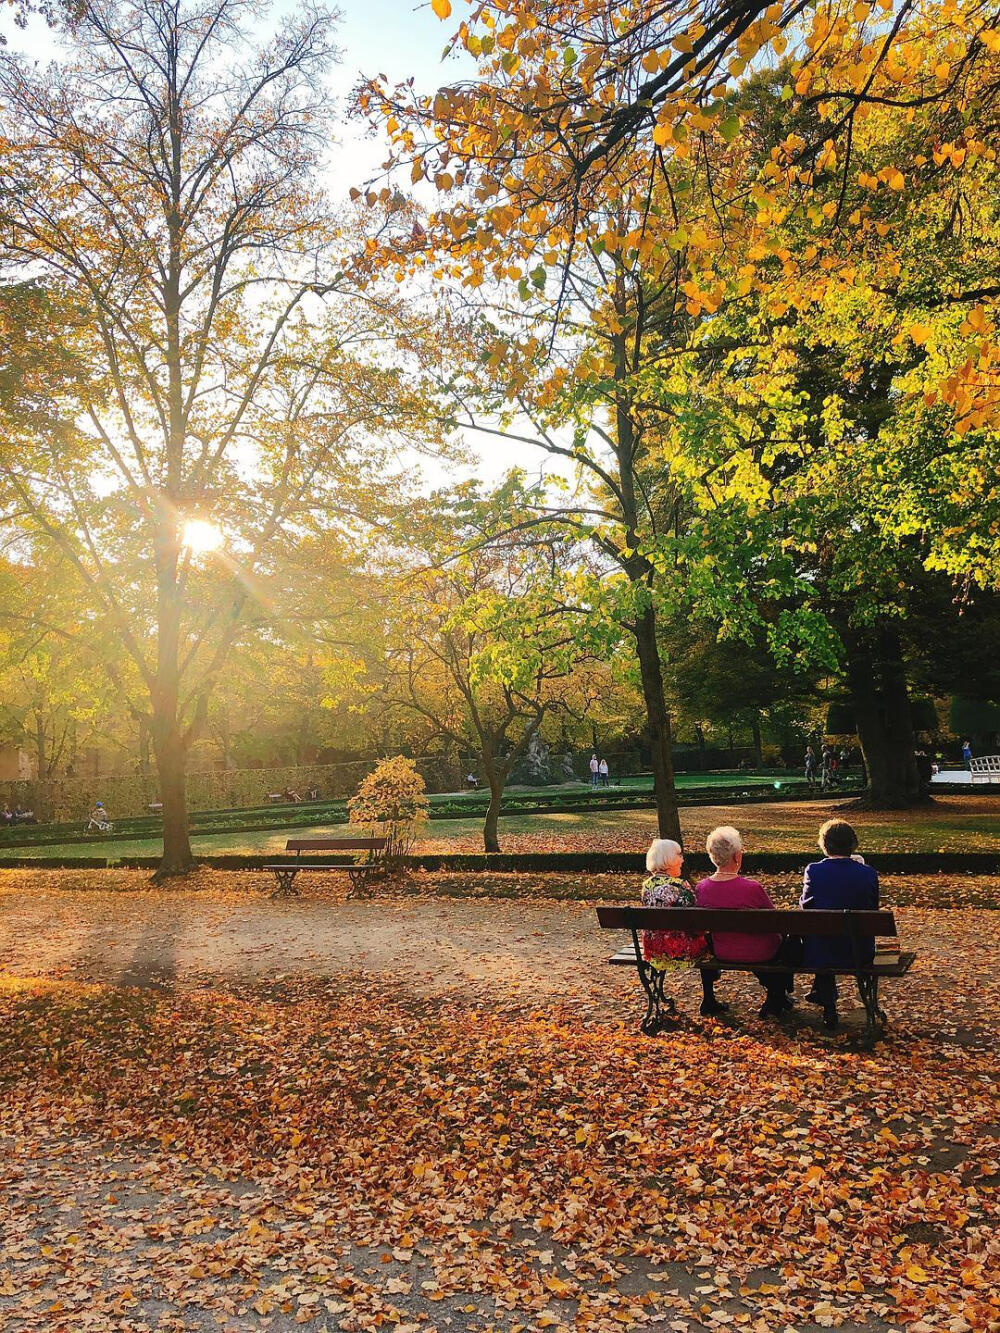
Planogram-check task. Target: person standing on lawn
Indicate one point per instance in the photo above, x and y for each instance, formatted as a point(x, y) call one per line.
point(810, 765)
point(595, 770)
point(604, 772)
point(841, 882)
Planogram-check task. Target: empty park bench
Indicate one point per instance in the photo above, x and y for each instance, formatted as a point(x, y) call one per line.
point(854, 926)
point(985, 769)
point(360, 873)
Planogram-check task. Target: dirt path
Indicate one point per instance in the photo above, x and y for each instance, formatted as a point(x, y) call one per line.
point(435, 1115)
point(484, 950)
point(189, 937)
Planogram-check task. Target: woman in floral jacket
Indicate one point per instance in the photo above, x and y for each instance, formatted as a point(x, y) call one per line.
point(664, 949)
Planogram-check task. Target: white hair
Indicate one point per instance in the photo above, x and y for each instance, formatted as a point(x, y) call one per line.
point(662, 853)
point(722, 845)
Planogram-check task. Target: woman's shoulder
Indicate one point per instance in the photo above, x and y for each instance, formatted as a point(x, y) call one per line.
point(666, 889)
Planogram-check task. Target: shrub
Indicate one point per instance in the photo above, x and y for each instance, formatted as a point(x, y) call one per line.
point(394, 797)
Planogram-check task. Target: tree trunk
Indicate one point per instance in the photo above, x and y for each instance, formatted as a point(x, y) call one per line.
point(144, 744)
point(41, 748)
point(168, 740)
point(758, 747)
point(171, 762)
point(667, 815)
point(491, 835)
point(876, 678)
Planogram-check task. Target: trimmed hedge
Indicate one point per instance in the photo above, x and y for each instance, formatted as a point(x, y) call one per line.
point(263, 819)
point(594, 863)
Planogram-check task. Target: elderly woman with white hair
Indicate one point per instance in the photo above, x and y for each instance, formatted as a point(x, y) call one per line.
point(664, 949)
point(728, 887)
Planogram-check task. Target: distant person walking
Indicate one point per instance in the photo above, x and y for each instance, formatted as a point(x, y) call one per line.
point(967, 753)
point(810, 765)
point(595, 771)
point(604, 772)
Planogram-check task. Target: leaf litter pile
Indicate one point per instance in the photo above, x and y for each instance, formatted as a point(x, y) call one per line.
point(362, 1151)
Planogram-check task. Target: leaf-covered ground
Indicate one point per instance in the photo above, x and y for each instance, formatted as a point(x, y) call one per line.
point(435, 1112)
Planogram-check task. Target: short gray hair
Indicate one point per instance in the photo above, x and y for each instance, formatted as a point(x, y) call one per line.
point(662, 851)
point(722, 844)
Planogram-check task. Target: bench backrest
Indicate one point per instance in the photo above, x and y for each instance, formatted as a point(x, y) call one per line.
point(986, 768)
point(755, 921)
point(335, 845)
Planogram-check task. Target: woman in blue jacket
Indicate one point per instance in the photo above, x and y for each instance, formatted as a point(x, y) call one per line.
point(840, 882)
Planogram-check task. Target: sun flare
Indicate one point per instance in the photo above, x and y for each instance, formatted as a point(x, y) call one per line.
point(200, 536)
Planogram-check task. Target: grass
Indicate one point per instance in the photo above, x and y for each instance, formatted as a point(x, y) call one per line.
point(953, 823)
point(521, 799)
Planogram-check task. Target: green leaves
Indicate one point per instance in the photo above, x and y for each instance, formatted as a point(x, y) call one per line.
point(730, 128)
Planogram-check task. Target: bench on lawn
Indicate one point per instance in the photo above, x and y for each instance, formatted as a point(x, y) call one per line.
point(854, 926)
point(985, 769)
point(361, 873)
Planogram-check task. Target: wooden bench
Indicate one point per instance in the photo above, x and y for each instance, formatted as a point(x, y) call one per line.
point(854, 926)
point(361, 873)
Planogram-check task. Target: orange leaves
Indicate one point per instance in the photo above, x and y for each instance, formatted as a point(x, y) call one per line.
point(976, 322)
point(445, 1173)
point(442, 8)
point(560, 1288)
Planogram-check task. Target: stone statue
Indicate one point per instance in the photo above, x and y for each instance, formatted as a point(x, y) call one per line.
point(534, 768)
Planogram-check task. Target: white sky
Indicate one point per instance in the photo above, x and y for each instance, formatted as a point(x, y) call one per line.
point(398, 39)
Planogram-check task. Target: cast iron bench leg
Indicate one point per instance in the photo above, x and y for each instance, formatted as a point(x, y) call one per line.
point(286, 882)
point(659, 1011)
point(868, 990)
point(359, 881)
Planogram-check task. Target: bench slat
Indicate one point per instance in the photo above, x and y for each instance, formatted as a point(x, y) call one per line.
point(335, 845)
point(757, 921)
point(314, 865)
point(625, 957)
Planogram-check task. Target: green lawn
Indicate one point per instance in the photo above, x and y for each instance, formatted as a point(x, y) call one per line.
point(956, 823)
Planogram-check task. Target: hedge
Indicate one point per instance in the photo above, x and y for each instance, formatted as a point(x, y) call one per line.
point(594, 863)
point(262, 819)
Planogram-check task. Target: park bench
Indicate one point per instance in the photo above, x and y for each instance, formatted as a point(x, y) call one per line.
point(985, 769)
point(853, 925)
point(360, 873)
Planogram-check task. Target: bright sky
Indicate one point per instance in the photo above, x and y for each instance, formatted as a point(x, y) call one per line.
point(398, 39)
point(391, 37)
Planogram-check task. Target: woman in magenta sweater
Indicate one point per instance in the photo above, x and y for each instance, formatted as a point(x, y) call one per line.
point(728, 887)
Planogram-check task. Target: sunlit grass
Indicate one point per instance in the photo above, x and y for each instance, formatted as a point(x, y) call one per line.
point(954, 824)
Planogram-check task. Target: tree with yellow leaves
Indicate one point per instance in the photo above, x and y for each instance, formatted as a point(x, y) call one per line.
point(160, 183)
